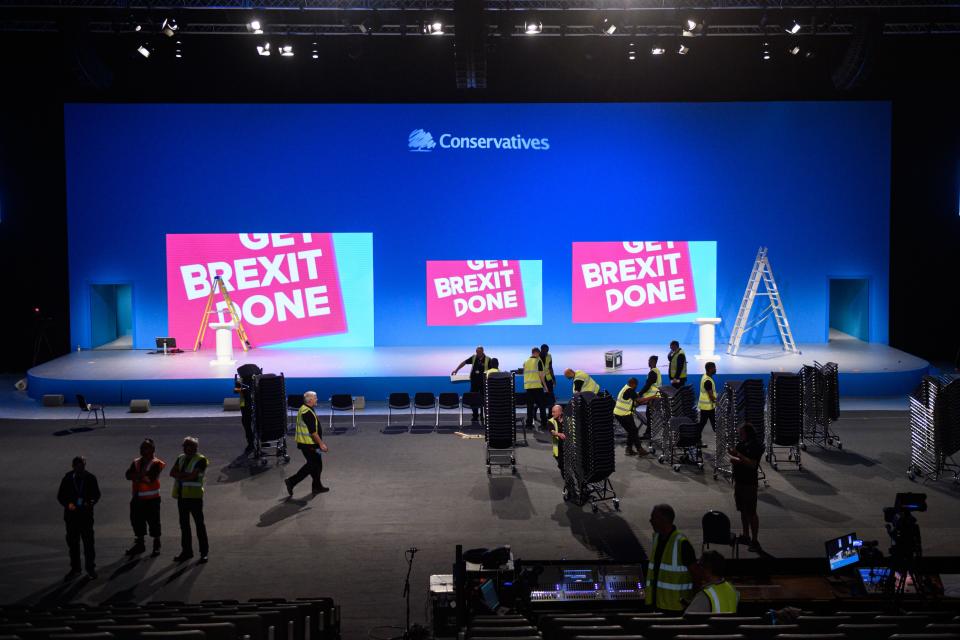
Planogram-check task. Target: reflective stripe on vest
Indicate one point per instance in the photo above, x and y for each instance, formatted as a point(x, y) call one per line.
point(531, 374)
point(556, 441)
point(588, 383)
point(673, 581)
point(655, 387)
point(673, 365)
point(489, 371)
point(151, 488)
point(548, 367)
point(303, 433)
point(623, 407)
point(723, 597)
point(705, 402)
point(189, 488)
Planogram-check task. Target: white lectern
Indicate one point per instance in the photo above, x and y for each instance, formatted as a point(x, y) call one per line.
point(708, 338)
point(224, 342)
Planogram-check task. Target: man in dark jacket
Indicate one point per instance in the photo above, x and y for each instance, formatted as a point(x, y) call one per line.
point(78, 493)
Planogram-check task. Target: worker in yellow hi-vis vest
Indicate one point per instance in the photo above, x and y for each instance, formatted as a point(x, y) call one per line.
point(707, 403)
point(534, 385)
point(310, 445)
point(717, 595)
point(188, 472)
point(669, 581)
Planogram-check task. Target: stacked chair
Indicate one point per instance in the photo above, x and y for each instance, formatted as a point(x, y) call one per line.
point(739, 402)
point(588, 452)
point(821, 404)
point(673, 418)
point(500, 425)
point(784, 417)
point(270, 417)
point(935, 428)
point(258, 619)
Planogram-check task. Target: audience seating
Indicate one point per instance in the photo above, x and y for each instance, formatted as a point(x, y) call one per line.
point(398, 401)
point(261, 619)
point(425, 401)
point(449, 401)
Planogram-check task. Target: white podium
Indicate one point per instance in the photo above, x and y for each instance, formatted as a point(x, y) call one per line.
point(708, 338)
point(224, 342)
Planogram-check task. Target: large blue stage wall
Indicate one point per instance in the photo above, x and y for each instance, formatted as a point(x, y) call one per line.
point(809, 180)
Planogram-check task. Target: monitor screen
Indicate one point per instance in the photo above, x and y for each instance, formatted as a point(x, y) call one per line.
point(169, 343)
point(489, 594)
point(843, 551)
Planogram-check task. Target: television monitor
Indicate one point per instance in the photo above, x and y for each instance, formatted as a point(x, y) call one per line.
point(489, 594)
point(843, 551)
point(169, 343)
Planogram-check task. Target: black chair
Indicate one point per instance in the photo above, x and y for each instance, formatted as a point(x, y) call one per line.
point(715, 526)
point(343, 402)
point(213, 630)
point(472, 400)
point(867, 631)
point(398, 401)
point(925, 636)
point(127, 631)
point(450, 401)
point(181, 634)
point(425, 401)
point(87, 408)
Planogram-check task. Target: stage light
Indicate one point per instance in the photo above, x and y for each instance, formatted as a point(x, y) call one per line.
point(683, 50)
point(370, 24)
point(794, 50)
point(263, 49)
point(766, 51)
point(657, 50)
point(532, 27)
point(178, 52)
point(793, 28)
point(434, 28)
point(138, 28)
point(607, 26)
point(691, 26)
point(255, 26)
point(315, 54)
point(144, 50)
point(169, 27)
point(286, 51)
point(631, 52)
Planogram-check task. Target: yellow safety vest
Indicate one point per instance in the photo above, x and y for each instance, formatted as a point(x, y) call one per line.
point(723, 597)
point(705, 403)
point(531, 374)
point(190, 488)
point(655, 389)
point(489, 371)
point(588, 383)
point(548, 367)
point(674, 583)
point(303, 434)
point(673, 366)
point(486, 361)
point(623, 407)
point(556, 441)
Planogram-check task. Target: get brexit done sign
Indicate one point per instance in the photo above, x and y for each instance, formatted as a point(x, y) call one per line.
point(285, 286)
point(641, 281)
point(471, 292)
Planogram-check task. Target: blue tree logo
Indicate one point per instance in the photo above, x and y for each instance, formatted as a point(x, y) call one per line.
point(420, 140)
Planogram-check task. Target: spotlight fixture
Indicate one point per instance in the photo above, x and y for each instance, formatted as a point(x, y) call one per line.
point(169, 27)
point(434, 28)
point(631, 52)
point(683, 50)
point(691, 27)
point(532, 27)
point(657, 50)
point(607, 26)
point(286, 51)
point(315, 54)
point(144, 50)
point(255, 26)
point(370, 24)
point(178, 51)
point(794, 50)
point(766, 51)
point(263, 49)
point(793, 28)
point(138, 28)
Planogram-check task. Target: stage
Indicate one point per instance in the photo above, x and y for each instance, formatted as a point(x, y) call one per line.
point(117, 376)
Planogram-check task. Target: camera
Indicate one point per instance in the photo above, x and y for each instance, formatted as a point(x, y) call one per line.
point(902, 526)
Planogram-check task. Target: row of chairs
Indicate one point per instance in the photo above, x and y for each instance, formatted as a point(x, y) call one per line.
point(856, 625)
point(257, 619)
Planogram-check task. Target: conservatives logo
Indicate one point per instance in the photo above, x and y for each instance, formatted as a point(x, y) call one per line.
point(422, 140)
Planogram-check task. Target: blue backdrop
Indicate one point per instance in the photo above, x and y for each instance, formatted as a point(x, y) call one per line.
point(810, 180)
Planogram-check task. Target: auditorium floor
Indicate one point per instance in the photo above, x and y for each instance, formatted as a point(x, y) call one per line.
point(428, 490)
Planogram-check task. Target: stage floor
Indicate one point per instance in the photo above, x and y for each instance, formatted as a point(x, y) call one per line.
point(117, 376)
point(428, 490)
